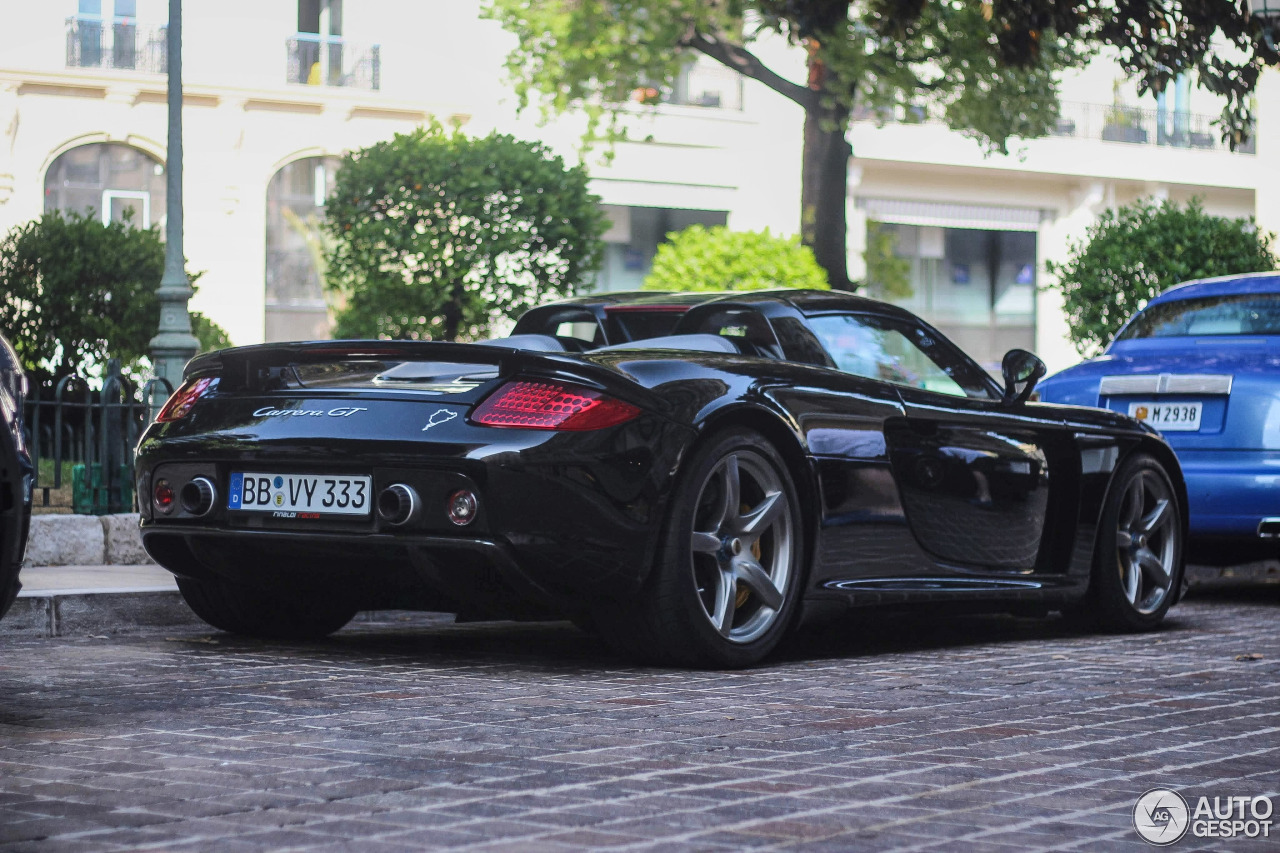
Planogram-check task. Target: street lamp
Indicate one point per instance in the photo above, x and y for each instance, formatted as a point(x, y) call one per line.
point(1268, 14)
point(174, 345)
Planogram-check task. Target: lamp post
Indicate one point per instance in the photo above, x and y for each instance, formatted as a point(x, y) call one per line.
point(174, 345)
point(1268, 14)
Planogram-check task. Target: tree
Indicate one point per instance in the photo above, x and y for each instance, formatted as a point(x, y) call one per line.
point(1133, 253)
point(888, 276)
point(78, 292)
point(716, 258)
point(437, 234)
point(986, 67)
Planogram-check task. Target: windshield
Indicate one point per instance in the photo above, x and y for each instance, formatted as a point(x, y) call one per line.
point(1236, 314)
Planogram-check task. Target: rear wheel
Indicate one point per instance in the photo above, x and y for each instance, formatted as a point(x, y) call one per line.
point(726, 580)
point(239, 609)
point(1138, 564)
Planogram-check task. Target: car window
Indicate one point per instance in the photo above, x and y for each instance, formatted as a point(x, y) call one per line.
point(899, 352)
point(1234, 314)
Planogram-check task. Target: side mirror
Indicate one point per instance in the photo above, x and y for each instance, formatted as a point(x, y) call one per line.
point(1021, 370)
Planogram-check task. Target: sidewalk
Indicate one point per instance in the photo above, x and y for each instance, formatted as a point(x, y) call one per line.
point(62, 601)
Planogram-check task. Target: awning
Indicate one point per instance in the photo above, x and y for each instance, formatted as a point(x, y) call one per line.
point(988, 217)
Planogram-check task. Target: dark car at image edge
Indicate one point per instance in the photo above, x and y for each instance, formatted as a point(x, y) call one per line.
point(781, 457)
point(15, 476)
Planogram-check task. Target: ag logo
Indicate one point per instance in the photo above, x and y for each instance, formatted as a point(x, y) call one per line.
point(1161, 816)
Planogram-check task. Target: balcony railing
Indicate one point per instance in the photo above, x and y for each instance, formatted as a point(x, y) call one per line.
point(1140, 126)
point(121, 44)
point(1106, 122)
point(317, 60)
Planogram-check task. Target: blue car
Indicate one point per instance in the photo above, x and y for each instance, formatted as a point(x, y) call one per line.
point(1201, 364)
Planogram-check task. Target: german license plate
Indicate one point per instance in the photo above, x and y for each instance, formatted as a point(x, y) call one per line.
point(1168, 417)
point(312, 494)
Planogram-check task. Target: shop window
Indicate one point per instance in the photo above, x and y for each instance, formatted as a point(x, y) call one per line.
point(977, 286)
point(633, 237)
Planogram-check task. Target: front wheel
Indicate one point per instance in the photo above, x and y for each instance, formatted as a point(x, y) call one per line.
point(726, 580)
point(1138, 564)
point(239, 609)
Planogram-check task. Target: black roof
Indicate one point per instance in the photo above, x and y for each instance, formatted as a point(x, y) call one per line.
point(806, 301)
point(636, 297)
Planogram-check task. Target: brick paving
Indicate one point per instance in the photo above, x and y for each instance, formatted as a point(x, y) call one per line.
point(891, 733)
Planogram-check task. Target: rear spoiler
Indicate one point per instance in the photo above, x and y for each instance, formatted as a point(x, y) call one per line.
point(258, 368)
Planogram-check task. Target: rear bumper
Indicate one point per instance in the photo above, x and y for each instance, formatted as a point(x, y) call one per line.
point(377, 571)
point(562, 520)
point(1230, 492)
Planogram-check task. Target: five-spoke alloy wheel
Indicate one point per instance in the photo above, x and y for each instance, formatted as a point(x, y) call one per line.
point(1138, 564)
point(726, 578)
point(742, 542)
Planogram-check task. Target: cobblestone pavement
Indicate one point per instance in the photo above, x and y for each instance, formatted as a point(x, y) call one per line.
point(907, 733)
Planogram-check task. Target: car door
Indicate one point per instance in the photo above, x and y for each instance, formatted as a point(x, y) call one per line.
point(975, 476)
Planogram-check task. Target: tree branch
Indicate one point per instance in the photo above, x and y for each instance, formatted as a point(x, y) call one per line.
point(740, 59)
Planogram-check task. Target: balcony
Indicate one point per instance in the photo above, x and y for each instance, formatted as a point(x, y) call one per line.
point(1139, 126)
point(315, 60)
point(1105, 122)
point(702, 83)
point(121, 44)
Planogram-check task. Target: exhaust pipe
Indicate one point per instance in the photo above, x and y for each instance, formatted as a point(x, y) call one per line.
point(198, 497)
point(1269, 528)
point(399, 504)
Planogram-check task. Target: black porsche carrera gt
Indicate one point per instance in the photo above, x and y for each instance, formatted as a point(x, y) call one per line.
point(779, 457)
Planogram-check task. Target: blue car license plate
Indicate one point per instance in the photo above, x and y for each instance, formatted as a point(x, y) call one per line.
point(1168, 417)
point(321, 494)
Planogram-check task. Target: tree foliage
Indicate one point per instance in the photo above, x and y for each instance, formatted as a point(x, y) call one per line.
point(436, 234)
point(988, 68)
point(77, 292)
point(888, 276)
point(1133, 253)
point(700, 258)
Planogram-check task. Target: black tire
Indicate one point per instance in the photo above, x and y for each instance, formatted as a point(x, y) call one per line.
point(1138, 563)
point(686, 597)
point(239, 609)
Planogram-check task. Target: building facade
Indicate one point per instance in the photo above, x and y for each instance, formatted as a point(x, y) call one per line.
point(276, 91)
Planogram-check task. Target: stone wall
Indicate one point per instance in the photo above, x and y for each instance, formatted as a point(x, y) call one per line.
point(85, 540)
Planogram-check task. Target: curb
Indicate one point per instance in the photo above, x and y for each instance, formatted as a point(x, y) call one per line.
point(95, 614)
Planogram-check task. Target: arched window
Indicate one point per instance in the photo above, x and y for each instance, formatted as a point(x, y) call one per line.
point(295, 307)
point(110, 180)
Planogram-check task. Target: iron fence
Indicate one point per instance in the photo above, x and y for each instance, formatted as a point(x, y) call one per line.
point(95, 43)
point(91, 436)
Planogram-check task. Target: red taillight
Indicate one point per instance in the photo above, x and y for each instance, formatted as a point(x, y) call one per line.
point(164, 496)
point(183, 399)
point(551, 405)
